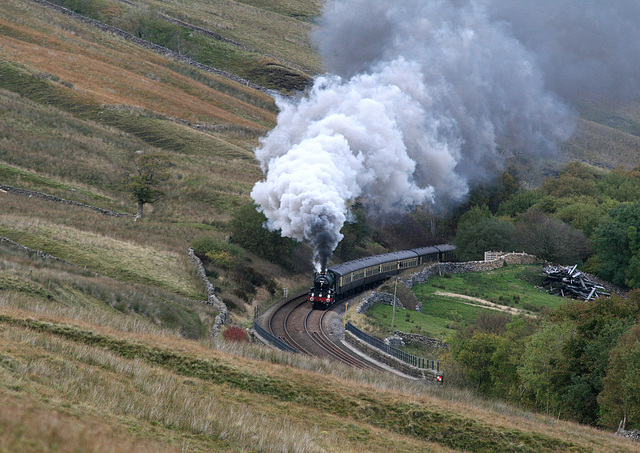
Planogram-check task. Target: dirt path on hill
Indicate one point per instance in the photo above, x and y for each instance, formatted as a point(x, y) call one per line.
point(487, 304)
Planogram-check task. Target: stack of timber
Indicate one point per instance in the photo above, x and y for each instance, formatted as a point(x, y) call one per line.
point(566, 281)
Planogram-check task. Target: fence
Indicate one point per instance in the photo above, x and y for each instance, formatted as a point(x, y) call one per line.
point(412, 360)
point(277, 342)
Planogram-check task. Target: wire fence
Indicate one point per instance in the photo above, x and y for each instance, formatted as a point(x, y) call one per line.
point(412, 360)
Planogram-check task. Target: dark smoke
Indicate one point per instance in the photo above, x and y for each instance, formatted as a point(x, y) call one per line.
point(421, 93)
point(585, 48)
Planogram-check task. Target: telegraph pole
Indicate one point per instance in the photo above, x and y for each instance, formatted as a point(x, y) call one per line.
point(393, 316)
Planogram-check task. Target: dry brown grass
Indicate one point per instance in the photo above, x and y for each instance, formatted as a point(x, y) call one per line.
point(106, 255)
point(268, 27)
point(81, 377)
point(89, 380)
point(163, 405)
point(27, 425)
point(113, 71)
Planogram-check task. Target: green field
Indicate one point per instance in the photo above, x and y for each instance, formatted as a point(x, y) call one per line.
point(512, 290)
point(512, 286)
point(380, 316)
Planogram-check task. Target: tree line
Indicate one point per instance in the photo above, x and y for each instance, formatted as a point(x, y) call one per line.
point(582, 216)
point(582, 360)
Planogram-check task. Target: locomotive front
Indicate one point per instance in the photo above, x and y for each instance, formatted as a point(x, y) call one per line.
point(322, 295)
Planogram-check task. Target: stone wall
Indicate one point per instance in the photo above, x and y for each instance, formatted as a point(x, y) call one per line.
point(374, 298)
point(633, 435)
point(44, 196)
point(223, 311)
point(421, 340)
point(383, 357)
point(149, 45)
point(468, 266)
point(38, 253)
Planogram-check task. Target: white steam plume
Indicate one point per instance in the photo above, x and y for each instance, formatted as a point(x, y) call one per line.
point(421, 93)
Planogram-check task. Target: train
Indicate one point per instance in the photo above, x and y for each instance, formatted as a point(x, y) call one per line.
point(344, 280)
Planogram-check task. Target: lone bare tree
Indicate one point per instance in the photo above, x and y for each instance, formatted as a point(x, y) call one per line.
point(143, 184)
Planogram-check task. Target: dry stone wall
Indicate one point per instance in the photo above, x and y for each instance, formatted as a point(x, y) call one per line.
point(44, 196)
point(632, 435)
point(421, 340)
point(468, 266)
point(38, 253)
point(149, 45)
point(223, 311)
point(376, 298)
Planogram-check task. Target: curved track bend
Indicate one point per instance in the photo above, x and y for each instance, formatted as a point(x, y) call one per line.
point(309, 331)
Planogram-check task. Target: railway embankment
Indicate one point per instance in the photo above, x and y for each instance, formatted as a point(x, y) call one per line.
point(365, 348)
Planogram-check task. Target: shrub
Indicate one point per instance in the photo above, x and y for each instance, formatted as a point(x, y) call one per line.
point(235, 334)
point(219, 252)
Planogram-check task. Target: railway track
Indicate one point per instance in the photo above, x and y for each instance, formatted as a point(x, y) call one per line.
point(305, 329)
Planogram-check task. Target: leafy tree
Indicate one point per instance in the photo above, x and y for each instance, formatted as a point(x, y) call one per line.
point(479, 231)
point(574, 179)
point(587, 358)
point(475, 354)
point(617, 242)
point(621, 185)
point(598, 325)
point(489, 352)
point(495, 193)
point(355, 232)
point(519, 203)
point(542, 369)
point(249, 230)
point(221, 253)
point(620, 398)
point(582, 214)
point(143, 184)
point(550, 239)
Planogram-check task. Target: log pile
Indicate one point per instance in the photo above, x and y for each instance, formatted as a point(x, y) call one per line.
point(567, 281)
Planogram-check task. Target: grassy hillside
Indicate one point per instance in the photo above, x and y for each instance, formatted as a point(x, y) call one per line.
point(78, 378)
point(77, 106)
point(100, 349)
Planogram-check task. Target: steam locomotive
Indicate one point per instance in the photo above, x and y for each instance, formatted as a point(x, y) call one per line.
point(346, 279)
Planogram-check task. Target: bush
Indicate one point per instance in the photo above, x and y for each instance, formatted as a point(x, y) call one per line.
point(235, 334)
point(247, 227)
point(220, 253)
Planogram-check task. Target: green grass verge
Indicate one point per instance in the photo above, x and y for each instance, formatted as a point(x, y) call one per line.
point(431, 325)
